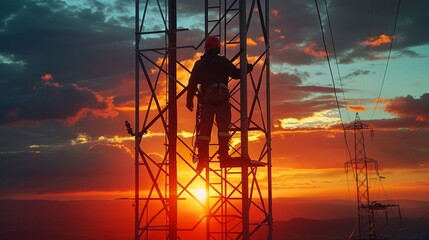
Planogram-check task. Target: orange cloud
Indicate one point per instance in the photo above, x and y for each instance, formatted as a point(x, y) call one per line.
point(108, 111)
point(47, 77)
point(182, 73)
point(323, 119)
point(422, 118)
point(275, 12)
point(251, 42)
point(47, 80)
point(310, 50)
point(377, 41)
point(382, 100)
point(378, 56)
point(160, 88)
point(253, 59)
point(357, 108)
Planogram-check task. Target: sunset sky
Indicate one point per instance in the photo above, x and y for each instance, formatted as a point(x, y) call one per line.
point(67, 86)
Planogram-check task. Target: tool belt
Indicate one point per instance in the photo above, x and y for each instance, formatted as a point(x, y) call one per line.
point(216, 94)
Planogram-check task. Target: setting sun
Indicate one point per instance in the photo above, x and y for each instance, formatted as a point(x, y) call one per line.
point(200, 194)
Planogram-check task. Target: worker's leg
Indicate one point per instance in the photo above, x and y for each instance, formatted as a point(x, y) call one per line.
point(203, 137)
point(203, 155)
point(223, 120)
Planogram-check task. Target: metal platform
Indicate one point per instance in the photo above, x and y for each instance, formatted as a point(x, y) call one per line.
point(240, 162)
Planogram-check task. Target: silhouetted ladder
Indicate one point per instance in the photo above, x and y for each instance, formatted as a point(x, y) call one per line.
point(231, 183)
point(162, 193)
point(213, 14)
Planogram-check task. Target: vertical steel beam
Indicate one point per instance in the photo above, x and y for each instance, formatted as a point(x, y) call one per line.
point(137, 124)
point(268, 137)
point(206, 18)
point(207, 210)
point(244, 119)
point(172, 118)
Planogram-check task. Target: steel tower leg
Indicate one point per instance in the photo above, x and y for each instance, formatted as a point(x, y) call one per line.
point(244, 119)
point(268, 100)
point(137, 124)
point(172, 118)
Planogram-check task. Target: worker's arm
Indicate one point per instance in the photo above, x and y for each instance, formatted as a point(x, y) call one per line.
point(192, 87)
point(233, 71)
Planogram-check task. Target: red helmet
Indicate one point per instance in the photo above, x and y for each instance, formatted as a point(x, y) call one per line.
point(211, 43)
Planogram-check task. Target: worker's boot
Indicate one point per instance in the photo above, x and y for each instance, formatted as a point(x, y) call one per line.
point(223, 148)
point(203, 156)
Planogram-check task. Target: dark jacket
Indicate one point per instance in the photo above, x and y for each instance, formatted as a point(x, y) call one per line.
point(209, 70)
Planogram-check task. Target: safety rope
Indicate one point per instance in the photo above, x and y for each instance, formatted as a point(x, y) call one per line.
point(197, 130)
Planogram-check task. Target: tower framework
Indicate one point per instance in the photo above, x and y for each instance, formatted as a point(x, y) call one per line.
point(361, 165)
point(237, 201)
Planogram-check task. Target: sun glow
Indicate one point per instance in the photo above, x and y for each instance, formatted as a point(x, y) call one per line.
point(200, 194)
point(323, 119)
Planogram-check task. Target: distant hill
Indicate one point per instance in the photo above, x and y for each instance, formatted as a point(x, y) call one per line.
point(289, 208)
point(295, 219)
point(66, 220)
point(336, 229)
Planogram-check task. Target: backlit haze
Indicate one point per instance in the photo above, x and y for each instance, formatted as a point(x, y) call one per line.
point(67, 86)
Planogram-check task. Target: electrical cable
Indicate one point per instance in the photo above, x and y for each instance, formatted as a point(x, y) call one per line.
point(332, 77)
point(350, 208)
point(339, 75)
point(329, 62)
point(336, 59)
point(388, 59)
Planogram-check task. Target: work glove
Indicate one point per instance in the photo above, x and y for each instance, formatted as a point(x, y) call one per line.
point(190, 105)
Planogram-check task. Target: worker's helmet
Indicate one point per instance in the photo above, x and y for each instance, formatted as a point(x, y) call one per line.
point(211, 43)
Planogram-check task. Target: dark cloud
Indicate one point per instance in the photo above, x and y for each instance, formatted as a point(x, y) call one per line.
point(72, 44)
point(409, 151)
point(296, 25)
point(54, 101)
point(313, 89)
point(409, 106)
point(411, 53)
point(281, 88)
point(328, 146)
point(356, 74)
point(288, 91)
point(287, 79)
point(77, 168)
point(18, 138)
point(302, 109)
point(401, 124)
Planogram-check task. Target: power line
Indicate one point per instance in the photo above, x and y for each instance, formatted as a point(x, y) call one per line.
point(332, 77)
point(388, 58)
point(336, 58)
point(329, 62)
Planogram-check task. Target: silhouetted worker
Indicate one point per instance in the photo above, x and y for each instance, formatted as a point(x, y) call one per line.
point(211, 74)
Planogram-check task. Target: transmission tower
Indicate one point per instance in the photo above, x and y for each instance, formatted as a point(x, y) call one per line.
point(238, 193)
point(361, 165)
